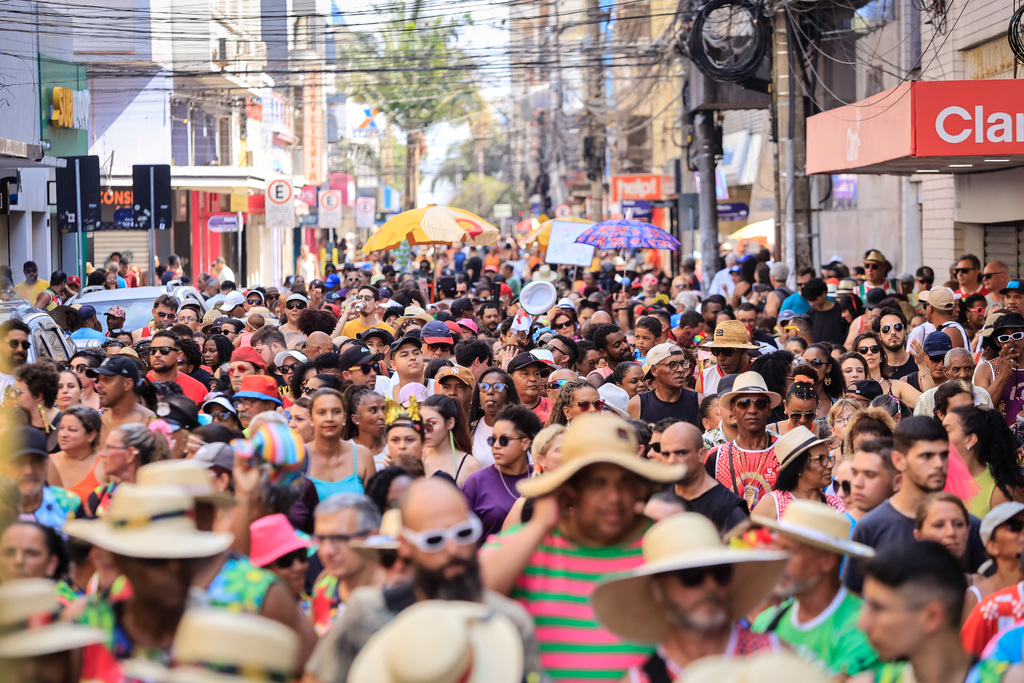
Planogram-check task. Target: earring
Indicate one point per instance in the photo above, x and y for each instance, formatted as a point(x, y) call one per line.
point(828, 381)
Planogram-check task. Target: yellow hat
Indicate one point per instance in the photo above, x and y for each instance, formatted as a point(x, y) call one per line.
point(730, 334)
point(29, 612)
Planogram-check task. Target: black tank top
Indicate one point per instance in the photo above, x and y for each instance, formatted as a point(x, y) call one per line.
point(654, 410)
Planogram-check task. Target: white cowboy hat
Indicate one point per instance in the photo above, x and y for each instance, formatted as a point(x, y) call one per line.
point(149, 522)
point(624, 603)
point(191, 475)
point(817, 525)
point(29, 612)
point(442, 641)
point(544, 274)
point(595, 438)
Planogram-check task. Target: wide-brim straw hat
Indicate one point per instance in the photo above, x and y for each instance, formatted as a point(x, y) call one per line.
point(218, 646)
point(730, 334)
point(793, 443)
point(767, 667)
point(385, 539)
point(195, 477)
point(442, 641)
point(749, 384)
point(150, 522)
point(594, 439)
point(625, 605)
point(412, 313)
point(817, 525)
point(30, 608)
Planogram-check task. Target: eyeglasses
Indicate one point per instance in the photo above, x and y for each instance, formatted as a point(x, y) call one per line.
point(808, 415)
point(1014, 336)
point(487, 386)
point(162, 350)
point(962, 271)
point(557, 384)
point(744, 403)
point(339, 539)
point(1015, 525)
point(165, 316)
point(824, 459)
point(295, 305)
point(286, 561)
point(695, 576)
point(186, 319)
point(563, 325)
point(895, 326)
point(14, 344)
point(435, 540)
point(503, 440)
point(585, 406)
point(846, 487)
point(221, 415)
point(868, 349)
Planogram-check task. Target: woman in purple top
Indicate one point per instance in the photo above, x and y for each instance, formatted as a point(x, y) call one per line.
point(491, 492)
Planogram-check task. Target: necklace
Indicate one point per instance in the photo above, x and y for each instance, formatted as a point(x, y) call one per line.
point(501, 477)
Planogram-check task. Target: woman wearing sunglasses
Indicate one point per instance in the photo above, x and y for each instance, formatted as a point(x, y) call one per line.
point(494, 391)
point(491, 492)
point(577, 396)
point(447, 445)
point(563, 322)
point(801, 405)
point(828, 378)
point(1003, 376)
point(805, 470)
point(277, 547)
point(869, 346)
point(1002, 532)
point(989, 450)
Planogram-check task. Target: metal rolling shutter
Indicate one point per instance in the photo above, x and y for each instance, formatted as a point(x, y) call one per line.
point(105, 242)
point(1005, 242)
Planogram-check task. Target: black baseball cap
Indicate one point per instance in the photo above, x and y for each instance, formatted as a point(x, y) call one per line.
point(1013, 320)
point(380, 332)
point(525, 360)
point(1012, 286)
point(407, 339)
point(179, 412)
point(461, 305)
point(355, 355)
point(29, 441)
point(865, 388)
point(122, 366)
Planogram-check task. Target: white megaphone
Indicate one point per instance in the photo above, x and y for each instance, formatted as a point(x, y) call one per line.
point(538, 297)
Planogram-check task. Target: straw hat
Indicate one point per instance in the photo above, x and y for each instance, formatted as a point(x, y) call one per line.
point(412, 313)
point(208, 320)
point(385, 539)
point(730, 334)
point(793, 443)
point(29, 611)
point(624, 603)
point(190, 475)
point(817, 525)
point(149, 522)
point(442, 641)
point(544, 274)
point(592, 439)
point(768, 667)
point(218, 646)
point(747, 383)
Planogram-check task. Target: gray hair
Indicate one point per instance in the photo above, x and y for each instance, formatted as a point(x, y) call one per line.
point(953, 354)
point(369, 513)
point(780, 272)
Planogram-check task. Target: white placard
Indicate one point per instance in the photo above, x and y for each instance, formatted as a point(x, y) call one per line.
point(280, 206)
point(562, 246)
point(329, 212)
point(366, 208)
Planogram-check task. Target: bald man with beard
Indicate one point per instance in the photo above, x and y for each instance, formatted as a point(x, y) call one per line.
point(445, 571)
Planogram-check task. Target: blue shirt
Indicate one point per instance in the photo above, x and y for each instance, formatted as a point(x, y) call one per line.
point(87, 333)
point(1008, 646)
point(58, 506)
point(795, 303)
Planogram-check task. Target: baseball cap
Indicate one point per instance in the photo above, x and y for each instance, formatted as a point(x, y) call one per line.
point(436, 332)
point(407, 339)
point(385, 293)
point(545, 355)
point(30, 441)
point(384, 335)
point(940, 297)
point(122, 366)
point(468, 324)
point(280, 358)
point(232, 300)
point(355, 355)
point(248, 354)
point(116, 312)
point(295, 296)
point(216, 455)
point(218, 400)
point(75, 280)
point(86, 312)
point(660, 353)
point(257, 293)
point(525, 360)
point(865, 388)
point(726, 384)
point(465, 375)
point(937, 344)
point(874, 297)
point(1000, 514)
point(332, 281)
point(1013, 286)
point(785, 316)
point(1010, 320)
point(179, 412)
point(259, 387)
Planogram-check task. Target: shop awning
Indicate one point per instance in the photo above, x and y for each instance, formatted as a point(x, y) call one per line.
point(206, 178)
point(922, 127)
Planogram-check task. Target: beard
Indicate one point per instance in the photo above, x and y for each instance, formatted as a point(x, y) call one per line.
point(466, 586)
point(896, 347)
point(693, 620)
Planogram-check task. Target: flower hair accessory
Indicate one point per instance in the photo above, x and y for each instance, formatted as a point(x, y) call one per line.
point(160, 426)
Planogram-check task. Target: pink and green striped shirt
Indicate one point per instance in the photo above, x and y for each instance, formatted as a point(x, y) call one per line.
point(555, 589)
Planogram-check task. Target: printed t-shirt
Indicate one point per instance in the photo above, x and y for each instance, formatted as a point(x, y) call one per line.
point(998, 611)
point(58, 506)
point(1007, 646)
point(555, 589)
point(749, 474)
point(195, 391)
point(830, 641)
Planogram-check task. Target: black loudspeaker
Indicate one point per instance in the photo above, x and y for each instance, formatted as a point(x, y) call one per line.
point(151, 196)
point(78, 184)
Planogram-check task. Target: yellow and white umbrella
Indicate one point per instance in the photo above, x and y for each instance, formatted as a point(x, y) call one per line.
point(432, 225)
point(542, 233)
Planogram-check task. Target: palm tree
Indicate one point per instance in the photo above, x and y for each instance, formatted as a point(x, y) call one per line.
point(423, 79)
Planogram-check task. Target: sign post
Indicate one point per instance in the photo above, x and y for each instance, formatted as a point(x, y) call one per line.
point(366, 207)
point(329, 214)
point(280, 208)
point(151, 206)
point(78, 201)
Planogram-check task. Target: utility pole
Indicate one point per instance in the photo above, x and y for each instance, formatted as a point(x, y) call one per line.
point(704, 142)
point(595, 99)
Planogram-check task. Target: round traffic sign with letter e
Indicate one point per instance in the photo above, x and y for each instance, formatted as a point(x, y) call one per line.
point(279, 192)
point(329, 200)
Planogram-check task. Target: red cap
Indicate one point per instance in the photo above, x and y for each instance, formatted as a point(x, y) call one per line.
point(248, 354)
point(74, 280)
point(453, 326)
point(261, 387)
point(505, 290)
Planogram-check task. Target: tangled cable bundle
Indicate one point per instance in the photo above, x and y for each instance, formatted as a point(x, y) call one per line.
point(729, 39)
point(1015, 34)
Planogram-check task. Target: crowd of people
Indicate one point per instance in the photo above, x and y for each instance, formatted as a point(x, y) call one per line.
point(412, 474)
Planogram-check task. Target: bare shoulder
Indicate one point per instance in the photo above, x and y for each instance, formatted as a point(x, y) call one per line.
point(1015, 674)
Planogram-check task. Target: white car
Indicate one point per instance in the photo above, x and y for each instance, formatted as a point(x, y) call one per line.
point(137, 302)
point(47, 338)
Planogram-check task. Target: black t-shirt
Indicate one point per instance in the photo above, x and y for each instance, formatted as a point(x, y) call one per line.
point(720, 505)
point(829, 326)
point(474, 266)
point(901, 371)
point(685, 408)
point(201, 376)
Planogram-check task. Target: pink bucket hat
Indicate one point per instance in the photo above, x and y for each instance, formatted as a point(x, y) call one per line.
point(273, 537)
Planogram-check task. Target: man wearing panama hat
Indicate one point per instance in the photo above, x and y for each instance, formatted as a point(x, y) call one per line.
point(819, 617)
point(729, 345)
point(669, 599)
point(587, 522)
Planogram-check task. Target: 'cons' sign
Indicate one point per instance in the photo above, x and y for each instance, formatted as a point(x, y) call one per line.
point(960, 118)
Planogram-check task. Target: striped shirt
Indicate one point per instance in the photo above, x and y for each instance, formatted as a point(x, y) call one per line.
point(555, 589)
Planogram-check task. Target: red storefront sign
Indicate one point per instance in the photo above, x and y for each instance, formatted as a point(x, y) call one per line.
point(638, 187)
point(922, 126)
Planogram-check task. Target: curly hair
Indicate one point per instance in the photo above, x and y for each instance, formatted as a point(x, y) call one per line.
point(191, 350)
point(379, 484)
point(312, 320)
point(41, 379)
point(564, 399)
point(996, 448)
point(774, 368)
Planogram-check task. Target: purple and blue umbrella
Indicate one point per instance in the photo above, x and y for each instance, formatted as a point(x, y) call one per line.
point(627, 234)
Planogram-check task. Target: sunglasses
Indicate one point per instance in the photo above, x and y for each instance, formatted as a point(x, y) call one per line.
point(980, 310)
point(497, 386)
point(962, 271)
point(165, 316)
point(695, 576)
point(296, 305)
point(286, 561)
point(367, 369)
point(14, 344)
point(81, 367)
point(744, 403)
point(254, 302)
point(1014, 525)
point(221, 416)
point(557, 384)
point(563, 325)
point(846, 487)
point(724, 352)
point(871, 266)
point(288, 369)
point(656, 446)
point(868, 349)
point(585, 406)
point(503, 440)
point(162, 350)
point(818, 362)
point(987, 276)
point(895, 326)
point(1015, 336)
point(307, 389)
point(434, 540)
point(809, 415)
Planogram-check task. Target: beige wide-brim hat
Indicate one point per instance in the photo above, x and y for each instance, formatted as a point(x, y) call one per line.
point(412, 313)
point(770, 667)
point(599, 438)
point(442, 641)
point(544, 274)
point(208, 319)
point(192, 476)
point(385, 539)
point(31, 602)
point(729, 334)
point(625, 604)
point(817, 525)
point(793, 443)
point(210, 642)
point(749, 384)
point(150, 522)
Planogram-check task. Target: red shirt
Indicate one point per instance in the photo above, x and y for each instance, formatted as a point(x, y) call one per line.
point(1000, 610)
point(192, 388)
point(983, 291)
